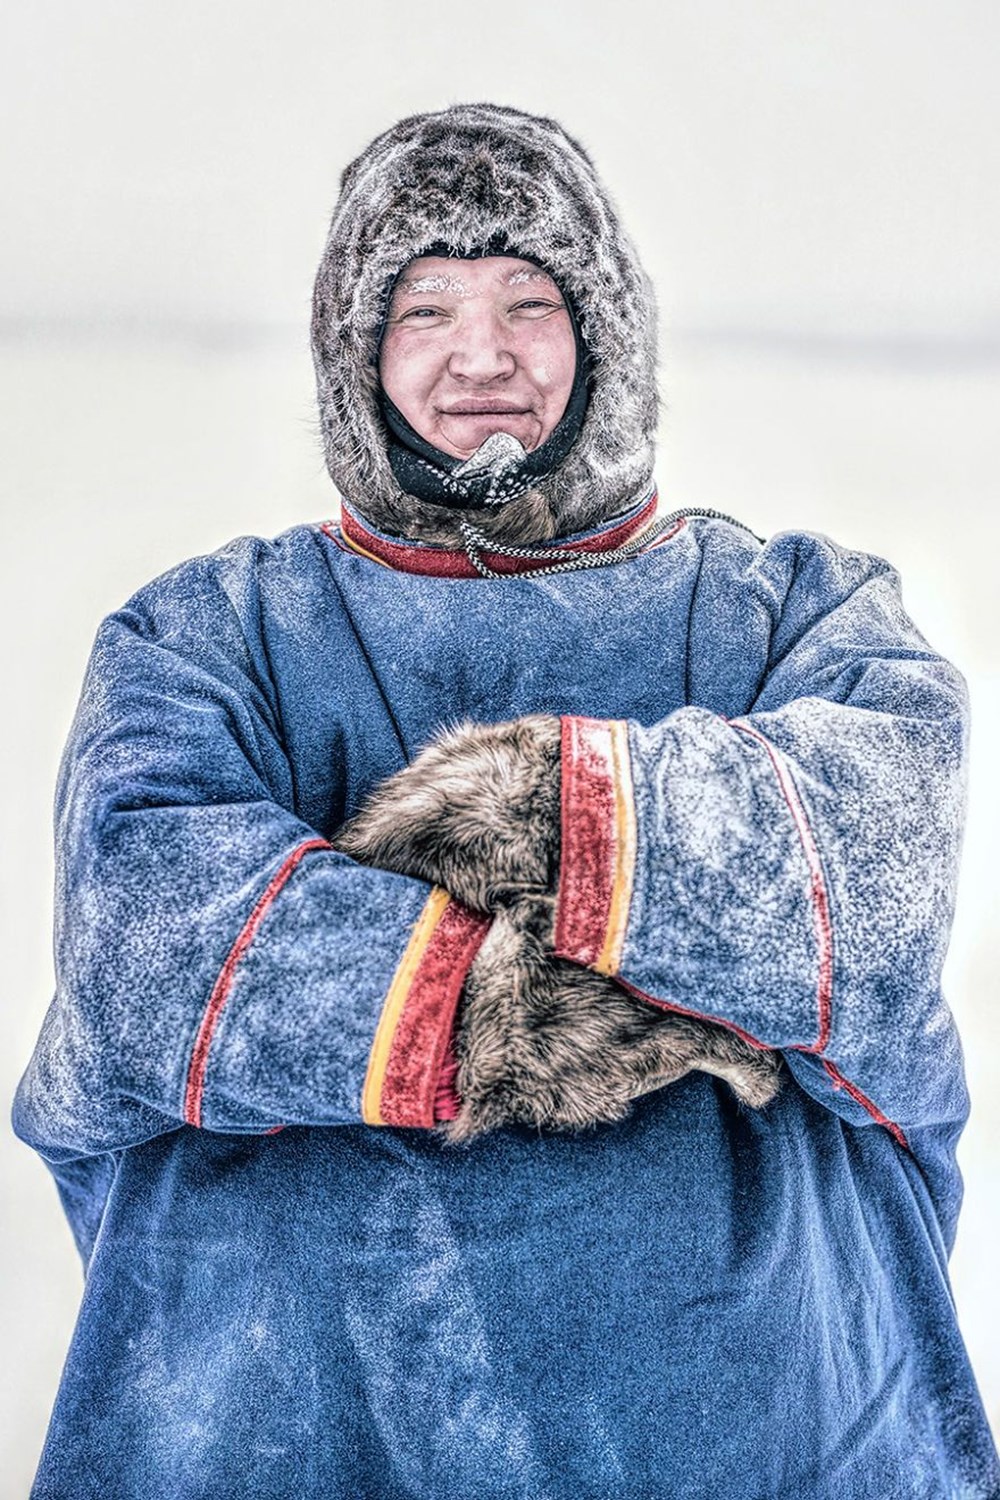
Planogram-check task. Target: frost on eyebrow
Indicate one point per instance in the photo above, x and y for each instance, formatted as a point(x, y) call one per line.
point(446, 282)
point(438, 283)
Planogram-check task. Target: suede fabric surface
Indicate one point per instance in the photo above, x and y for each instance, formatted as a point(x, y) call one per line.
point(700, 1300)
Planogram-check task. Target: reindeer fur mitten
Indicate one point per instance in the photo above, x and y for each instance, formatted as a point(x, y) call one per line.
point(477, 812)
point(539, 1040)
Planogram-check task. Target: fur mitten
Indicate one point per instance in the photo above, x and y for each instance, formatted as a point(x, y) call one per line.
point(538, 1040)
point(544, 1042)
point(477, 812)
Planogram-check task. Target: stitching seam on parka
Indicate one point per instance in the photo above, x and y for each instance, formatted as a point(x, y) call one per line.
point(840, 1082)
point(824, 930)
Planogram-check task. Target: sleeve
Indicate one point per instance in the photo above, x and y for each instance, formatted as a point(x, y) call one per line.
point(218, 965)
point(790, 871)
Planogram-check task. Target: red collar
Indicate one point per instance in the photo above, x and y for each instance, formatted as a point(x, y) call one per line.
point(443, 562)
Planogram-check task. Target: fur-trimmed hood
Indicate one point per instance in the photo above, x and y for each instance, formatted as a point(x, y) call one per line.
point(469, 176)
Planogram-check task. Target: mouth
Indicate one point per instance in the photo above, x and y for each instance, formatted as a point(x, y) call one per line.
point(485, 409)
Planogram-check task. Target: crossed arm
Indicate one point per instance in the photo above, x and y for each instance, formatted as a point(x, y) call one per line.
point(786, 879)
point(781, 882)
point(541, 1040)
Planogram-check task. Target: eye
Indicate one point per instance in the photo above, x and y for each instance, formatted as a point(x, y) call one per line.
point(537, 304)
point(419, 314)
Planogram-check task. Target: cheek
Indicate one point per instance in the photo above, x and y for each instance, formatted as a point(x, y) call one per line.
point(550, 361)
point(406, 373)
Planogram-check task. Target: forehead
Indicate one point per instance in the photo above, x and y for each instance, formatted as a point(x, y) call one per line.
point(463, 277)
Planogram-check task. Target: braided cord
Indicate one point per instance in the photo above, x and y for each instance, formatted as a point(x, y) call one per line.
point(476, 542)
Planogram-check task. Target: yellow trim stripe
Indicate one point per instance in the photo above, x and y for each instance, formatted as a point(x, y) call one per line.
point(610, 957)
point(392, 1009)
point(362, 551)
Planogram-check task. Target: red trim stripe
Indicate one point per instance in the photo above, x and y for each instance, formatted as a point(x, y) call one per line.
point(447, 1100)
point(822, 924)
point(587, 861)
point(445, 562)
point(840, 1082)
point(416, 1067)
point(224, 983)
point(836, 1077)
point(697, 1015)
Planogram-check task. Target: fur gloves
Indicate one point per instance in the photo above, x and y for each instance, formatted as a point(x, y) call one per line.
point(539, 1040)
point(476, 812)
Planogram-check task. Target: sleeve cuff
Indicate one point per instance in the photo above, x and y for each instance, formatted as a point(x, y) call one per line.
point(597, 862)
point(411, 1068)
point(447, 1099)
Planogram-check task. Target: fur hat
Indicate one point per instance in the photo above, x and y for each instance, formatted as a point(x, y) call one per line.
point(474, 176)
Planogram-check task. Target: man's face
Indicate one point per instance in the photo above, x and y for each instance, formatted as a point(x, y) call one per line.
point(473, 347)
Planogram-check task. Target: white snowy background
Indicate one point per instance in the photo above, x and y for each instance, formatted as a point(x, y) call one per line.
point(815, 190)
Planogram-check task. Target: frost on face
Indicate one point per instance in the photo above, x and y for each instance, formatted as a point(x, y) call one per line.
point(420, 285)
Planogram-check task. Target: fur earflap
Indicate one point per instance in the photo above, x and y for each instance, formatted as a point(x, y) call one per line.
point(473, 176)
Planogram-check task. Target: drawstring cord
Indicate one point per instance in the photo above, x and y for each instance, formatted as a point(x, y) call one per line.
point(476, 542)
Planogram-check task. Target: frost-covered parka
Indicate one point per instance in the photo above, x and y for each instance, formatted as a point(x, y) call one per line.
point(294, 1287)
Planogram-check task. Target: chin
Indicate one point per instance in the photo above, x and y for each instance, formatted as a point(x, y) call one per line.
point(527, 435)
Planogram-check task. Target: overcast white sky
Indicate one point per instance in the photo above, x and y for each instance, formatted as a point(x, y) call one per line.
point(828, 168)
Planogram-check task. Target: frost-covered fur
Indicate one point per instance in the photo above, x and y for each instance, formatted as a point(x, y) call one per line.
point(539, 1041)
point(462, 176)
point(477, 812)
point(544, 1042)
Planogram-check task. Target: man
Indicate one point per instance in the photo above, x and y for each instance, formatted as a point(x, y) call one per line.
point(313, 1090)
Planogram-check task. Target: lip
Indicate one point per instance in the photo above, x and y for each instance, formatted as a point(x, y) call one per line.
point(486, 409)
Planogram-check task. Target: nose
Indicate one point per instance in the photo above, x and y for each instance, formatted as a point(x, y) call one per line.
point(481, 351)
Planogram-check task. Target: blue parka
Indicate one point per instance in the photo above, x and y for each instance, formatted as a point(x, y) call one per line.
point(294, 1287)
